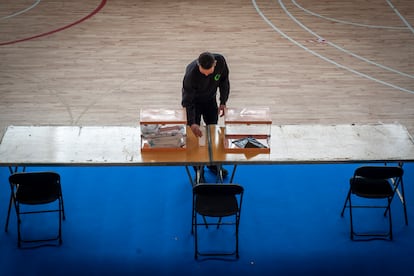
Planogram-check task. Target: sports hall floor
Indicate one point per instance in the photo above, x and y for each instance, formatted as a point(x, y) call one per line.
point(98, 62)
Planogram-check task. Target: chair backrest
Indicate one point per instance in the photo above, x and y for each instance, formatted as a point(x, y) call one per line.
point(218, 189)
point(36, 187)
point(379, 172)
point(217, 200)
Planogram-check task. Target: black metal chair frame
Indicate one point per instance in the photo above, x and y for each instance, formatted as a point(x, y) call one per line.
point(216, 193)
point(25, 179)
point(380, 182)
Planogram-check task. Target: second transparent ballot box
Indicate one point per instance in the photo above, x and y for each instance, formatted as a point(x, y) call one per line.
point(247, 129)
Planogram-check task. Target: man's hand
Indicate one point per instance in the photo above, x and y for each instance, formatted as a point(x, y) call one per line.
point(196, 130)
point(222, 108)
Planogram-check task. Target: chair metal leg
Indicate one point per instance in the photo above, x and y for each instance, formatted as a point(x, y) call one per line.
point(12, 171)
point(401, 195)
point(346, 201)
point(389, 218)
point(61, 215)
point(388, 235)
point(19, 222)
point(350, 216)
point(6, 227)
point(62, 206)
point(205, 221)
point(233, 174)
point(404, 203)
point(19, 214)
point(195, 238)
point(232, 253)
point(16, 169)
point(237, 239)
point(189, 176)
point(192, 218)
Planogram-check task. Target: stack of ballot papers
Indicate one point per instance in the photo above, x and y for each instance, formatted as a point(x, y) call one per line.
point(164, 136)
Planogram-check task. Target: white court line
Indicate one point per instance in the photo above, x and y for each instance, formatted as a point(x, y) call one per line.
point(342, 49)
point(22, 11)
point(401, 17)
point(323, 57)
point(346, 22)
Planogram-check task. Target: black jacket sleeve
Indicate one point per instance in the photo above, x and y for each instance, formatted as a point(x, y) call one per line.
point(189, 93)
point(224, 84)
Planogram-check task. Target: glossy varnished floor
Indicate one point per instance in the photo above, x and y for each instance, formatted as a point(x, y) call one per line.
point(311, 61)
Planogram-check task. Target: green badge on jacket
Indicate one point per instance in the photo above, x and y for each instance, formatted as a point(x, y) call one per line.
point(217, 77)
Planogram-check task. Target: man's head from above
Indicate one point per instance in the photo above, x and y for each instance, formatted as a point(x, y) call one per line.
point(206, 63)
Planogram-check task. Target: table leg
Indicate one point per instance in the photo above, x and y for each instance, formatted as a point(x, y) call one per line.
point(199, 175)
point(12, 171)
point(233, 173)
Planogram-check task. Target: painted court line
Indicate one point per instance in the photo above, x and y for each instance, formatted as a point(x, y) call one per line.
point(323, 57)
point(95, 11)
point(345, 22)
point(401, 17)
point(340, 48)
point(22, 11)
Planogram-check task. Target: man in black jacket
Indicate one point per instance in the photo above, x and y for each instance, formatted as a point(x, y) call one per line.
point(202, 78)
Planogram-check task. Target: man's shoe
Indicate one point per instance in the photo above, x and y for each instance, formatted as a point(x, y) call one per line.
point(214, 169)
point(224, 172)
point(199, 174)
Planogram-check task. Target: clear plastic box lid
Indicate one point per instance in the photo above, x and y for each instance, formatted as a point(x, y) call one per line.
point(253, 115)
point(163, 116)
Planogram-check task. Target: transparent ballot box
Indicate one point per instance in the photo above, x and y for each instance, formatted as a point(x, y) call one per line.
point(163, 129)
point(247, 129)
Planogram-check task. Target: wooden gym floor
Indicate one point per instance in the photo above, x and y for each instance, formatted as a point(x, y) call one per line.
point(98, 62)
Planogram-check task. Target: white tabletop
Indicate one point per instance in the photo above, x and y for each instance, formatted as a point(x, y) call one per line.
point(326, 144)
point(119, 145)
point(89, 146)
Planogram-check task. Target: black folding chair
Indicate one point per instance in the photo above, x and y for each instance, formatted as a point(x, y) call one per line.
point(375, 183)
point(36, 188)
point(216, 201)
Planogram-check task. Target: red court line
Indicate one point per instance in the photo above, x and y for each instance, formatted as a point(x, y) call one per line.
point(97, 9)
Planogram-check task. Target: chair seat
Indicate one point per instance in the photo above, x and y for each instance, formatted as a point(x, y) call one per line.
point(42, 193)
point(368, 188)
point(216, 206)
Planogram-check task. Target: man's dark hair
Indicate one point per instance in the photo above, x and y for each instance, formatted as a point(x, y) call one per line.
point(206, 60)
